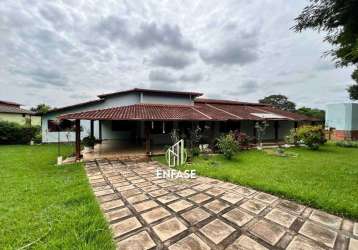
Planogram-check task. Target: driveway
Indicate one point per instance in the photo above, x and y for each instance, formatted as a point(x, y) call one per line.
point(147, 212)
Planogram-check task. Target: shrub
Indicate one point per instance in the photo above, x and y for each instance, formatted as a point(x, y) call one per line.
point(13, 133)
point(311, 136)
point(292, 138)
point(242, 139)
point(347, 144)
point(195, 151)
point(227, 145)
point(89, 141)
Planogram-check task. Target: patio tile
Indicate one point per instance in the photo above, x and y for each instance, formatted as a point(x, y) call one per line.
point(202, 187)
point(191, 242)
point(233, 198)
point(143, 184)
point(168, 198)
point(104, 192)
point(108, 197)
point(180, 205)
point(111, 204)
point(125, 226)
point(326, 219)
point(254, 206)
point(131, 192)
point(302, 243)
point(199, 198)
point(245, 243)
point(149, 188)
point(137, 181)
point(281, 217)
point(291, 206)
point(137, 198)
point(353, 244)
point(355, 229)
point(195, 215)
point(265, 197)
point(186, 192)
point(217, 231)
point(216, 206)
point(118, 214)
point(318, 233)
point(139, 207)
point(158, 193)
point(269, 232)
point(169, 229)
point(155, 215)
point(245, 191)
point(238, 217)
point(140, 241)
point(215, 191)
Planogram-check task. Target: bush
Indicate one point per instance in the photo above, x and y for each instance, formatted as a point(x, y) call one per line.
point(292, 138)
point(195, 151)
point(13, 133)
point(347, 144)
point(89, 141)
point(242, 139)
point(311, 136)
point(227, 145)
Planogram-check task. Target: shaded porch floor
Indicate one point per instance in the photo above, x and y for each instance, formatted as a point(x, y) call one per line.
point(111, 149)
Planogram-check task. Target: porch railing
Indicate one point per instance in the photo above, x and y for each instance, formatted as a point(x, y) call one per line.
point(176, 154)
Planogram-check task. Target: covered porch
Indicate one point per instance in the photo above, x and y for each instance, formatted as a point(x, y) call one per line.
point(144, 129)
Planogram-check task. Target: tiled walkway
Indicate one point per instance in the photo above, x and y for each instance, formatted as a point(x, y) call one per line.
point(145, 212)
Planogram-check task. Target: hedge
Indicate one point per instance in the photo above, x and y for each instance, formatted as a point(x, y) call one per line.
point(13, 133)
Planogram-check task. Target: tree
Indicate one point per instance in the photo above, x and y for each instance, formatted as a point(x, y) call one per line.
point(316, 113)
point(41, 109)
point(339, 20)
point(280, 102)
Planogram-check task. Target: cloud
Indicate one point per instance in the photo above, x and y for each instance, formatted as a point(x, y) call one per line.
point(162, 76)
point(172, 60)
point(44, 77)
point(147, 35)
point(240, 51)
point(197, 77)
point(168, 77)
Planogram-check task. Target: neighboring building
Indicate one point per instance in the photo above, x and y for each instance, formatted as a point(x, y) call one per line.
point(12, 112)
point(129, 116)
point(342, 119)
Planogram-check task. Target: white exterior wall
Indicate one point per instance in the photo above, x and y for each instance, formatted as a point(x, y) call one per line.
point(151, 98)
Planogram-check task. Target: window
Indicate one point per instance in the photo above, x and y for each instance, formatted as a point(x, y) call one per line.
point(64, 125)
point(157, 127)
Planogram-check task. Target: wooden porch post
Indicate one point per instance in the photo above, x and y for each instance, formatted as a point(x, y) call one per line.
point(92, 128)
point(78, 139)
point(147, 139)
point(276, 126)
point(100, 130)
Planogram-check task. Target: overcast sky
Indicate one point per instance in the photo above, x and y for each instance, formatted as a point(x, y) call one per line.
point(65, 52)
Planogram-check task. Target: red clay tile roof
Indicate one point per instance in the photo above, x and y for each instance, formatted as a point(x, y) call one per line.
point(10, 103)
point(14, 109)
point(142, 112)
point(154, 91)
point(197, 112)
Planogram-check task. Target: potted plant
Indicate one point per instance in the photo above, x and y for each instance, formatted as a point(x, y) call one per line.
point(88, 143)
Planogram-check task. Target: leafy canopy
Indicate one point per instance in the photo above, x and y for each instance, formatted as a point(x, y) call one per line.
point(339, 20)
point(280, 102)
point(41, 109)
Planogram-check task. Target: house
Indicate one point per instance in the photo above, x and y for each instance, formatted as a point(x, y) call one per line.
point(12, 112)
point(145, 117)
point(342, 119)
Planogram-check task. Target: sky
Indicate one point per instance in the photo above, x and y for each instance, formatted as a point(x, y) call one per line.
point(66, 52)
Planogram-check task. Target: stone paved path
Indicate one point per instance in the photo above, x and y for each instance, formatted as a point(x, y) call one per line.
point(146, 212)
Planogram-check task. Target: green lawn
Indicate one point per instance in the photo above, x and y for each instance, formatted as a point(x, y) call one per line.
point(325, 179)
point(43, 206)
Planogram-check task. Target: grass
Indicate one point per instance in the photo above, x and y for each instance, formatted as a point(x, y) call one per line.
point(326, 179)
point(43, 206)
